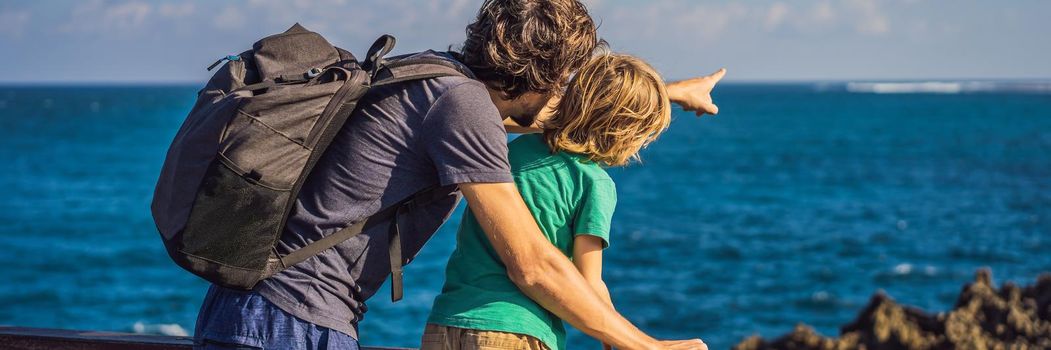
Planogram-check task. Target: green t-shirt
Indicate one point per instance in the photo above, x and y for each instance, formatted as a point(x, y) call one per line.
point(568, 195)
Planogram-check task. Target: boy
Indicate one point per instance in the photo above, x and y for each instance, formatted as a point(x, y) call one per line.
point(612, 108)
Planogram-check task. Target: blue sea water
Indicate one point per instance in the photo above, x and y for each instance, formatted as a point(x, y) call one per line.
point(796, 204)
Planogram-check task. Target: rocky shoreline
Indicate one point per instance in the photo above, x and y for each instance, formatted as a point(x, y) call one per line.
point(984, 317)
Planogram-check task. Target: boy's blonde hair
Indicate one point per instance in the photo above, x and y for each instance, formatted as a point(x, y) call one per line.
point(614, 106)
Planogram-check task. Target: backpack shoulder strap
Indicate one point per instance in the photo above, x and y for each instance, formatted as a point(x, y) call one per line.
point(399, 70)
point(418, 68)
point(389, 215)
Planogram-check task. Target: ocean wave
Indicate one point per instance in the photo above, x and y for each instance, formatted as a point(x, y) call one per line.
point(823, 300)
point(948, 87)
point(908, 269)
point(169, 329)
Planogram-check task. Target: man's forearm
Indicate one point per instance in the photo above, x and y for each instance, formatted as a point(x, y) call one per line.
point(542, 272)
point(600, 288)
point(559, 288)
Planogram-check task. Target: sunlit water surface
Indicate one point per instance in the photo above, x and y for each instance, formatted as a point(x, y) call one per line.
point(795, 204)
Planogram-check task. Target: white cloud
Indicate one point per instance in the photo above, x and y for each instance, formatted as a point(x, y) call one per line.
point(127, 15)
point(458, 7)
point(871, 19)
point(591, 4)
point(229, 18)
point(99, 16)
point(710, 22)
point(876, 25)
point(355, 24)
point(182, 9)
point(842, 34)
point(823, 12)
point(675, 20)
point(13, 23)
point(775, 15)
point(714, 22)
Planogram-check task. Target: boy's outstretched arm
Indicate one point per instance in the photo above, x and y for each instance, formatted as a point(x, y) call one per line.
point(693, 95)
point(544, 274)
point(587, 256)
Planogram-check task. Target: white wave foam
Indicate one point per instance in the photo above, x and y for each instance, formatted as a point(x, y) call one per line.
point(820, 296)
point(947, 87)
point(903, 269)
point(169, 329)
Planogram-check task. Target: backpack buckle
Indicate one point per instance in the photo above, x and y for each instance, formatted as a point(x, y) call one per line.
point(374, 58)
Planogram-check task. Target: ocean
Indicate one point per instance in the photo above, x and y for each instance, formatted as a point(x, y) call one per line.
point(795, 204)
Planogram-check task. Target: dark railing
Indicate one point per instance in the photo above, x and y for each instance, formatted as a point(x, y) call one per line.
point(19, 338)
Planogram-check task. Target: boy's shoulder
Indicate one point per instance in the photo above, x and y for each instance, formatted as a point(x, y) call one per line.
point(530, 154)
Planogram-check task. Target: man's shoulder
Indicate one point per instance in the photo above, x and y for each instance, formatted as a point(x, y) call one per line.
point(461, 100)
point(458, 86)
point(436, 100)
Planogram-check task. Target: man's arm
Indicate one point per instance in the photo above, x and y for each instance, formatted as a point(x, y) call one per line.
point(544, 274)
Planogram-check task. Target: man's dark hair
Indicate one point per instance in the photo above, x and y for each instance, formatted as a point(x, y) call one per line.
point(520, 46)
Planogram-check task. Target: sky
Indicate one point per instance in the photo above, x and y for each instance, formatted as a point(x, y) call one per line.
point(162, 41)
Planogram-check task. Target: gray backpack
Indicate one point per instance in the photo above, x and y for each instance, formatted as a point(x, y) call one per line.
point(260, 124)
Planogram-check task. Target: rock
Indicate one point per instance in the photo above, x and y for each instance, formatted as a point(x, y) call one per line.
point(983, 318)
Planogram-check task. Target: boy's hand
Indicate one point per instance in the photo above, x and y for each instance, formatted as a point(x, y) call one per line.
point(695, 95)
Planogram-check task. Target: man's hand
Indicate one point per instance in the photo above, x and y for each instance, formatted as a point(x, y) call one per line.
point(695, 95)
point(693, 344)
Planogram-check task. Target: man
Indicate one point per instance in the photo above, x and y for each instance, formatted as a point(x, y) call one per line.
point(445, 132)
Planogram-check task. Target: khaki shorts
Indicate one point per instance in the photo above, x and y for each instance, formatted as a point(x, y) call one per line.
point(437, 337)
